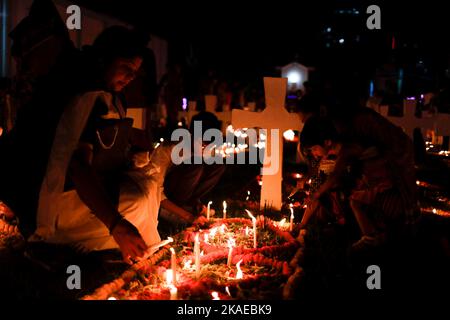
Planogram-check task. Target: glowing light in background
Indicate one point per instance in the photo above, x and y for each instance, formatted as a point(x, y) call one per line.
point(215, 295)
point(289, 135)
point(294, 77)
point(371, 88)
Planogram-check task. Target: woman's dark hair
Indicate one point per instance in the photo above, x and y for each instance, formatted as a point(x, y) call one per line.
point(119, 42)
point(316, 131)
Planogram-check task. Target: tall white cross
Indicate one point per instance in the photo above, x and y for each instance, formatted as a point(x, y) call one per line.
point(274, 116)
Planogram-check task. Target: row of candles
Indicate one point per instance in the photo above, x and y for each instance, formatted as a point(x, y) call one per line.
point(208, 212)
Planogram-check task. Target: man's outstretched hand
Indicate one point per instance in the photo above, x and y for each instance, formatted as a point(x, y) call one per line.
point(129, 240)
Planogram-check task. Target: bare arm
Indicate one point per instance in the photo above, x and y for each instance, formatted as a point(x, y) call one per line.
point(94, 195)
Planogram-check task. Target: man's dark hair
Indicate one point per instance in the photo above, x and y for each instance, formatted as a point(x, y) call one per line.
point(316, 131)
point(119, 42)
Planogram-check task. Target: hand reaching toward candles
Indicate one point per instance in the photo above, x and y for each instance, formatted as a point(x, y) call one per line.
point(129, 240)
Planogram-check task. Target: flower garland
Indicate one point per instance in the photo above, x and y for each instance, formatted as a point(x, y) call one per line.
point(108, 289)
point(262, 266)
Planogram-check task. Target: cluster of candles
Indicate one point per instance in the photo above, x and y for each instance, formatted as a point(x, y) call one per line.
point(171, 274)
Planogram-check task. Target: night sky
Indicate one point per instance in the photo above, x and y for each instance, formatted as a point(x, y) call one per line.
point(246, 39)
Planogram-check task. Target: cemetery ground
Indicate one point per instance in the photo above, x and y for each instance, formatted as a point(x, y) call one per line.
point(414, 266)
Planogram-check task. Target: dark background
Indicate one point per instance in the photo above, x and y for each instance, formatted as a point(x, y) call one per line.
point(248, 39)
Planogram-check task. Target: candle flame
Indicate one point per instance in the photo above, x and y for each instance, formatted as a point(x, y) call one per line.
point(225, 205)
point(246, 230)
point(228, 290)
point(239, 274)
point(250, 214)
point(305, 206)
point(418, 182)
point(215, 295)
point(289, 135)
point(210, 203)
point(434, 211)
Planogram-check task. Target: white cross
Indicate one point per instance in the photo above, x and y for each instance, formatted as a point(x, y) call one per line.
point(274, 116)
point(438, 123)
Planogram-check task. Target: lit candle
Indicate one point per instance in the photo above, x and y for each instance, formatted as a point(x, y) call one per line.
point(151, 250)
point(174, 265)
point(434, 211)
point(248, 195)
point(197, 254)
point(224, 209)
point(239, 274)
point(208, 210)
point(230, 251)
point(173, 292)
point(254, 227)
point(161, 244)
point(246, 231)
point(291, 225)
